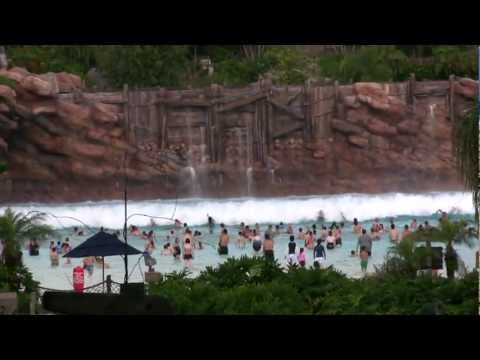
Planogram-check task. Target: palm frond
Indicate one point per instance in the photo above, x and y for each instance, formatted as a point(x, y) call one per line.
point(465, 147)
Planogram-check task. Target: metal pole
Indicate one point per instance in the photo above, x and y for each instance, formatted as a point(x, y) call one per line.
point(103, 274)
point(125, 195)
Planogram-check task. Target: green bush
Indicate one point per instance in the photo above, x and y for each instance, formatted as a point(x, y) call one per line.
point(256, 286)
point(8, 82)
point(174, 66)
point(144, 65)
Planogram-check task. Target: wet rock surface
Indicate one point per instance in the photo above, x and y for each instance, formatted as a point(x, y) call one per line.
point(60, 149)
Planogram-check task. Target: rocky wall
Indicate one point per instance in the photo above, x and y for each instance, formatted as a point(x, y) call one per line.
point(62, 144)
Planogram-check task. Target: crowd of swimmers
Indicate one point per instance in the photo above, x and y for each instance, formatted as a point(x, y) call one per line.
point(182, 242)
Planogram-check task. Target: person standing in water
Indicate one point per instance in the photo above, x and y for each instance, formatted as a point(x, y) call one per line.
point(291, 250)
point(53, 257)
point(413, 225)
point(211, 224)
point(289, 230)
point(331, 242)
point(364, 241)
point(364, 259)
point(268, 247)
point(257, 242)
point(302, 261)
point(319, 254)
point(357, 227)
point(223, 243)
point(406, 232)
point(393, 234)
point(188, 253)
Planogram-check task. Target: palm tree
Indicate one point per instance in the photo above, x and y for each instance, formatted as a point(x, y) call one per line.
point(15, 228)
point(448, 232)
point(465, 146)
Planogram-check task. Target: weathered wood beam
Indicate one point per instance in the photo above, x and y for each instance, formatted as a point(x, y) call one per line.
point(241, 102)
point(288, 130)
point(286, 109)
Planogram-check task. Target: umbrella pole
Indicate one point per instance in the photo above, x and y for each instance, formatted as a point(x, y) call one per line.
point(103, 274)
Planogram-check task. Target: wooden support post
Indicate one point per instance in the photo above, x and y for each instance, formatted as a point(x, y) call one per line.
point(307, 106)
point(337, 96)
point(451, 98)
point(164, 115)
point(411, 89)
point(126, 106)
point(270, 124)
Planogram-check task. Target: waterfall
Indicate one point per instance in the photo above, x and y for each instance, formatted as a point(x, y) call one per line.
point(203, 145)
point(432, 116)
point(194, 184)
point(249, 180)
point(272, 174)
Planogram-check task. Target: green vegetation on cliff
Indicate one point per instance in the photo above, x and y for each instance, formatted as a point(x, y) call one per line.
point(235, 65)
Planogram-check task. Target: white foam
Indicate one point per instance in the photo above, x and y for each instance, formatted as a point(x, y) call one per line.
point(249, 210)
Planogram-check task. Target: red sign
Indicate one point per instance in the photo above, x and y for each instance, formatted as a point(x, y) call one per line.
point(78, 279)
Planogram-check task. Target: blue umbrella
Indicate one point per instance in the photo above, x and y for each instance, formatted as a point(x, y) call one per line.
point(102, 244)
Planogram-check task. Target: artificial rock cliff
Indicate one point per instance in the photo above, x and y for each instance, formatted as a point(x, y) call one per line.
point(63, 144)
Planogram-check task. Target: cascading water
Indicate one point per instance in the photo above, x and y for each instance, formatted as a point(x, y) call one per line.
point(195, 186)
point(432, 116)
point(272, 176)
point(249, 174)
point(203, 145)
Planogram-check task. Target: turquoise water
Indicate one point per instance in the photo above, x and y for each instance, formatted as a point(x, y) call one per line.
point(298, 211)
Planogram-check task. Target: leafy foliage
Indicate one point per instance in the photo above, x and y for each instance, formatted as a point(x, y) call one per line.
point(6, 81)
point(235, 65)
point(257, 286)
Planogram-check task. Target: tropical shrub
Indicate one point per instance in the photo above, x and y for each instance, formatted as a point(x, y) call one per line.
point(255, 286)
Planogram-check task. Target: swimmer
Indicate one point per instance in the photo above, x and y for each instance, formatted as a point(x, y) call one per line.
point(301, 234)
point(167, 249)
point(323, 233)
point(353, 253)
point(289, 230)
point(268, 247)
point(357, 227)
point(302, 261)
point(88, 263)
point(321, 216)
point(53, 257)
point(188, 253)
point(319, 254)
point(291, 250)
point(364, 259)
point(374, 234)
point(393, 234)
point(211, 224)
point(330, 240)
point(406, 232)
point(338, 236)
point(223, 243)
point(241, 241)
point(364, 241)
point(257, 243)
point(413, 225)
point(177, 250)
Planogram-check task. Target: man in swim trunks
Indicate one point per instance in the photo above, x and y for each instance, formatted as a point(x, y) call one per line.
point(211, 224)
point(223, 243)
point(268, 247)
point(363, 259)
point(319, 254)
point(394, 237)
point(291, 250)
point(257, 242)
point(365, 241)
